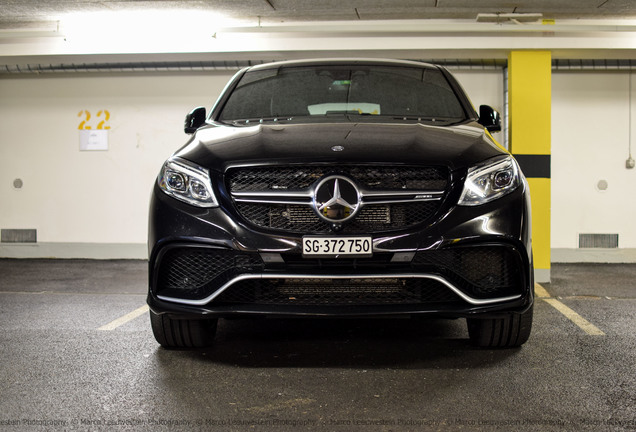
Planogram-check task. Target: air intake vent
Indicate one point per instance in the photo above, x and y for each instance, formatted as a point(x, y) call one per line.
point(19, 236)
point(604, 241)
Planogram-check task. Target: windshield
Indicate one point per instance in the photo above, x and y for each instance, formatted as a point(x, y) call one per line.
point(328, 91)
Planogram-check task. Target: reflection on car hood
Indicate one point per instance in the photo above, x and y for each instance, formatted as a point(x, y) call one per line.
point(217, 147)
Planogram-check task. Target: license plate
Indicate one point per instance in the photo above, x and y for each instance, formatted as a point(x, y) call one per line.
point(337, 246)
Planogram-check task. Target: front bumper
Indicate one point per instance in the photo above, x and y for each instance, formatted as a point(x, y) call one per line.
point(471, 262)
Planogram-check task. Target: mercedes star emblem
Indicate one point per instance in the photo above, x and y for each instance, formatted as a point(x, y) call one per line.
point(336, 199)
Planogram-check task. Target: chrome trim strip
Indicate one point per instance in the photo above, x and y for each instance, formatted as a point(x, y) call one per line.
point(398, 201)
point(468, 299)
point(418, 196)
point(269, 194)
point(271, 201)
point(275, 197)
point(365, 193)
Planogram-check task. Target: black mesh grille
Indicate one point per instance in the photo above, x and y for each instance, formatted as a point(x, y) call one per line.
point(188, 272)
point(370, 219)
point(377, 262)
point(337, 292)
point(275, 179)
point(481, 272)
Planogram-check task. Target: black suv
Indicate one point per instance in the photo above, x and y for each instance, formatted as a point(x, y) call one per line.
point(331, 188)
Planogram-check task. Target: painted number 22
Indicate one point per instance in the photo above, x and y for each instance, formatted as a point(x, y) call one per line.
point(103, 116)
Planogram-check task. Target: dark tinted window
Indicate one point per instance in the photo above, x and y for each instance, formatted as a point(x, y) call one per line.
point(368, 90)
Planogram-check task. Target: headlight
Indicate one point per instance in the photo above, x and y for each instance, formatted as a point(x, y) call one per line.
point(489, 181)
point(187, 182)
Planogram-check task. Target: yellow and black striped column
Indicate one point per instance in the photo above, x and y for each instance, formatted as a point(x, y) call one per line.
point(529, 98)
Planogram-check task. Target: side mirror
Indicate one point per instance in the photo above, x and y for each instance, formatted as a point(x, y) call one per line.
point(489, 118)
point(194, 120)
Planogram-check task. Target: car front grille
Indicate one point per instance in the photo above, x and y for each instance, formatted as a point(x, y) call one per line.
point(392, 213)
point(337, 292)
point(194, 273)
point(371, 219)
point(297, 178)
point(481, 272)
point(190, 272)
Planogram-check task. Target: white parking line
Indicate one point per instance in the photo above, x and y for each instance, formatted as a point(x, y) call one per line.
point(123, 320)
point(577, 319)
point(541, 293)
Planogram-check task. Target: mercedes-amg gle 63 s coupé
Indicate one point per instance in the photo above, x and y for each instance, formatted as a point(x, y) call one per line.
point(341, 188)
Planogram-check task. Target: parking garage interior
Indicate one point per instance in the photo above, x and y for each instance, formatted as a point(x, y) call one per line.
point(92, 100)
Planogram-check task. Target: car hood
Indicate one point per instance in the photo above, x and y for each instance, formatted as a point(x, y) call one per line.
point(217, 147)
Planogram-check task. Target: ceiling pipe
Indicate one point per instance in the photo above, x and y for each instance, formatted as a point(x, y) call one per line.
point(233, 65)
point(486, 23)
point(436, 26)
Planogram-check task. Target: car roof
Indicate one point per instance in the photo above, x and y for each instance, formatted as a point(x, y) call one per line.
point(342, 61)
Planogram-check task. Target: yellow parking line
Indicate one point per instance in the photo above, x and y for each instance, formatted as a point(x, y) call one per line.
point(577, 319)
point(540, 291)
point(123, 320)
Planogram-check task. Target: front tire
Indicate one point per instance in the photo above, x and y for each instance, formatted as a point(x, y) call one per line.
point(173, 333)
point(509, 331)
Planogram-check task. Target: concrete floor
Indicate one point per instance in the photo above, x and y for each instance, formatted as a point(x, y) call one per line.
point(63, 367)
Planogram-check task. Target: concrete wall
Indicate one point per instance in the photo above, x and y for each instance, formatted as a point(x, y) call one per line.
point(591, 128)
point(89, 203)
point(484, 87)
point(94, 203)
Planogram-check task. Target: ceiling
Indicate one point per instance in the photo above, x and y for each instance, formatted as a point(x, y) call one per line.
point(19, 14)
point(96, 35)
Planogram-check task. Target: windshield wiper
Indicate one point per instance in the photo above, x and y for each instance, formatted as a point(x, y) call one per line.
point(259, 120)
point(427, 119)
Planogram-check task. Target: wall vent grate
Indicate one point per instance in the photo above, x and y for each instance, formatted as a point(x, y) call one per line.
point(18, 236)
point(601, 241)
